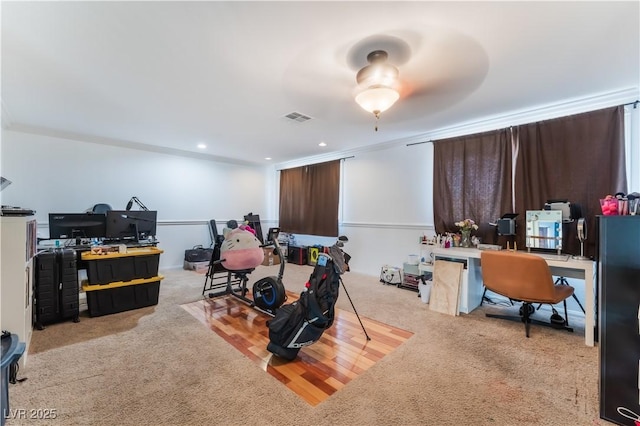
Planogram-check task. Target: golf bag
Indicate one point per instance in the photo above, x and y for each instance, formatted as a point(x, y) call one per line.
point(302, 322)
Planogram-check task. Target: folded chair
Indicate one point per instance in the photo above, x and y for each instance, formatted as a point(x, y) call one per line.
point(526, 278)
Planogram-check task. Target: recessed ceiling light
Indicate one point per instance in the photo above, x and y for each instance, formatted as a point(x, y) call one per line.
point(322, 144)
point(202, 146)
point(267, 158)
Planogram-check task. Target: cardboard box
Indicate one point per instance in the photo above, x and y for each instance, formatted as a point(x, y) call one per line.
point(270, 257)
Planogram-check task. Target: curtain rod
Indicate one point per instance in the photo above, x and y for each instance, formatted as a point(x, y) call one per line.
point(634, 103)
point(311, 164)
point(418, 143)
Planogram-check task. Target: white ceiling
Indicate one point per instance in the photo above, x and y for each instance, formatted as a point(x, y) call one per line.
point(175, 74)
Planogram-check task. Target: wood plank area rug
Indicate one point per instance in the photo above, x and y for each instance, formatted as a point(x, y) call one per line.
point(341, 354)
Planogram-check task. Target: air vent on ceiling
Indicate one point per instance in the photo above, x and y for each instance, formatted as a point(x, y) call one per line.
point(296, 116)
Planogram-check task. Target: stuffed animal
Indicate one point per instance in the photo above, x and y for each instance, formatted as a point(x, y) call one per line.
point(246, 227)
point(240, 250)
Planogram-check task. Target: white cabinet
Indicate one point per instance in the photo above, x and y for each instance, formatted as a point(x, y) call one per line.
point(17, 248)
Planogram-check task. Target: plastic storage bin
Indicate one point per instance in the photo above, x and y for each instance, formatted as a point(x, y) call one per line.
point(12, 350)
point(122, 296)
point(114, 267)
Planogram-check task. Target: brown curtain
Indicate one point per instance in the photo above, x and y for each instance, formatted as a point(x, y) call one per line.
point(580, 158)
point(309, 197)
point(472, 179)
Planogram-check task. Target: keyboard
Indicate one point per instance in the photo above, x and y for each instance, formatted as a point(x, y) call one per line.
point(549, 256)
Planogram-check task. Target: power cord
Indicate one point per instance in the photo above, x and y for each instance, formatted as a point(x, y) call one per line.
point(14, 367)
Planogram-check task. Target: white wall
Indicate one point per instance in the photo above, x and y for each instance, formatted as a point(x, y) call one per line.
point(387, 205)
point(53, 175)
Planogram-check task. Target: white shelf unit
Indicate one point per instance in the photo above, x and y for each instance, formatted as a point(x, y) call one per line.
point(17, 249)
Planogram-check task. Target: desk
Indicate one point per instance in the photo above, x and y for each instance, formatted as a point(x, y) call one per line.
point(471, 288)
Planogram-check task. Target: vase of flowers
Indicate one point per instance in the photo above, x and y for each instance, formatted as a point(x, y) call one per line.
point(466, 226)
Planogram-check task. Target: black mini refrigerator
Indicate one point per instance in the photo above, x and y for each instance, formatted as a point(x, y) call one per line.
point(618, 255)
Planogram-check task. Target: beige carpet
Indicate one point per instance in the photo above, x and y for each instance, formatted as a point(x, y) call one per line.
point(161, 366)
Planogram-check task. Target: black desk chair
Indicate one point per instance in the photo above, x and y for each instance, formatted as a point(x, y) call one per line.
point(101, 208)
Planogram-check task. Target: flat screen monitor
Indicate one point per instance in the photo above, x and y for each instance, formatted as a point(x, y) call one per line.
point(77, 225)
point(131, 225)
point(544, 229)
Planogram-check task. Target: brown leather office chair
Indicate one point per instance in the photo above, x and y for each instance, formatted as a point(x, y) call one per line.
point(525, 278)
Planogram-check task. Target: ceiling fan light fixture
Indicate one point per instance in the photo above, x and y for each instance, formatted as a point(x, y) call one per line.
point(378, 72)
point(377, 99)
point(378, 81)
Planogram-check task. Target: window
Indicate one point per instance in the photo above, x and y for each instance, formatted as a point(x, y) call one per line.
point(309, 197)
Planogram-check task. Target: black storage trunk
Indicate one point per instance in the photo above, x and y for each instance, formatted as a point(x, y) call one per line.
point(147, 266)
point(297, 255)
point(107, 271)
point(113, 298)
point(56, 287)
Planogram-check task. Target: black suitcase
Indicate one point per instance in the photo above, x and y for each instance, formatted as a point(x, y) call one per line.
point(198, 254)
point(56, 287)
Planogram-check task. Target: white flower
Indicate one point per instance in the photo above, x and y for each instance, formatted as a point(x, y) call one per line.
point(467, 225)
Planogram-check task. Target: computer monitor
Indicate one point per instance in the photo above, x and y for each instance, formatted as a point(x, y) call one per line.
point(544, 229)
point(125, 225)
point(77, 225)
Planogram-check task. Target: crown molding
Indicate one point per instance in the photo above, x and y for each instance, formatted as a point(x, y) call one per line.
point(514, 118)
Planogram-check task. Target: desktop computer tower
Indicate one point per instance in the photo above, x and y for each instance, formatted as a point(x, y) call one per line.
point(56, 287)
